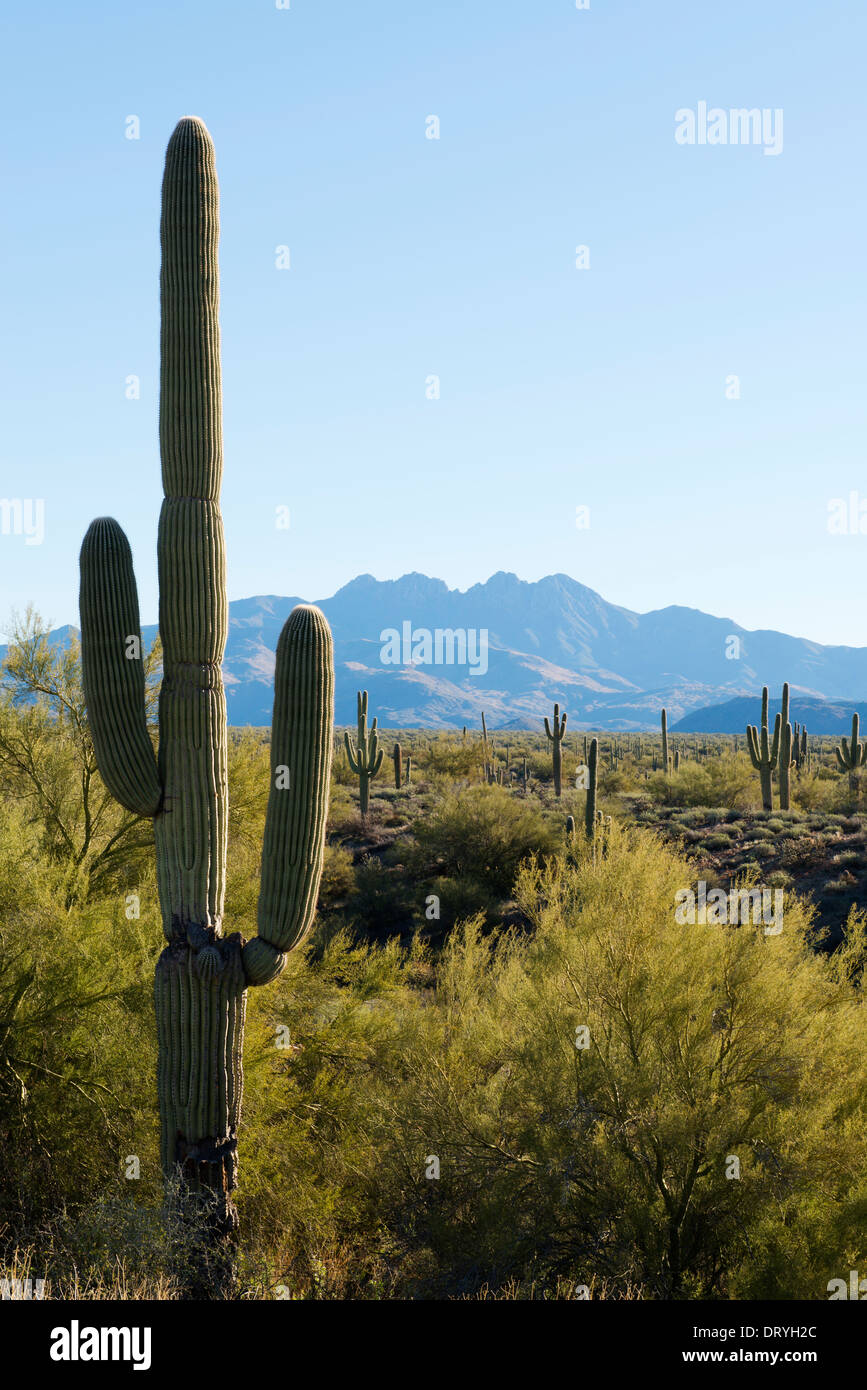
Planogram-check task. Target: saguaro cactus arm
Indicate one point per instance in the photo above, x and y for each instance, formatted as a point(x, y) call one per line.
point(762, 752)
point(374, 754)
point(350, 753)
point(113, 669)
point(559, 730)
point(851, 753)
point(301, 745)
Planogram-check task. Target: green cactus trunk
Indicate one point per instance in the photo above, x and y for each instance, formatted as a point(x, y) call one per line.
point(763, 753)
point(398, 766)
point(590, 803)
point(665, 762)
point(786, 759)
point(202, 974)
point(555, 738)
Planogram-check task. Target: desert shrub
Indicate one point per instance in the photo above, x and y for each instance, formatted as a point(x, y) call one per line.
point(759, 850)
point(453, 758)
point(597, 1147)
point(814, 791)
point(77, 1041)
point(384, 898)
point(727, 781)
point(844, 884)
point(717, 842)
point(483, 834)
point(851, 857)
point(459, 899)
point(338, 875)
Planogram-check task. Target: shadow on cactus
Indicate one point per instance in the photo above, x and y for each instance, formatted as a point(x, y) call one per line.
point(203, 974)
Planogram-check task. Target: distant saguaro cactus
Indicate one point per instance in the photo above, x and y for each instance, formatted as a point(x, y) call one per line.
point(786, 757)
point(851, 754)
point(202, 975)
point(555, 737)
point(763, 752)
point(666, 765)
point(590, 803)
point(397, 755)
point(365, 759)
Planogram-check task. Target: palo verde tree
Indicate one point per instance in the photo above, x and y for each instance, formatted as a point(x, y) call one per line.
point(203, 974)
point(48, 765)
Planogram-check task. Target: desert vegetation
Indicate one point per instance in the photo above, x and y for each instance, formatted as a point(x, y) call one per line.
point(493, 1059)
point(420, 1119)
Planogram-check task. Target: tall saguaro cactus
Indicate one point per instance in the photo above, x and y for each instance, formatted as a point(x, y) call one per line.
point(397, 757)
point(666, 761)
point(764, 752)
point(555, 737)
point(851, 754)
point(365, 758)
point(202, 975)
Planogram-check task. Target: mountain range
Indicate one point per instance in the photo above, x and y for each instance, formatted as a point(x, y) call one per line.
point(553, 639)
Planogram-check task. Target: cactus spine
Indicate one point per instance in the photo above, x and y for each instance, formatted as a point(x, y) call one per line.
point(555, 737)
point(763, 752)
point(202, 975)
point(851, 754)
point(398, 766)
point(365, 759)
point(590, 803)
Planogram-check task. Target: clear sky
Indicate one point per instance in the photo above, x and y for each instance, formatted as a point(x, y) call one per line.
point(412, 257)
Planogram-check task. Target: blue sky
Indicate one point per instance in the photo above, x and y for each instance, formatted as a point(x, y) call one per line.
point(455, 257)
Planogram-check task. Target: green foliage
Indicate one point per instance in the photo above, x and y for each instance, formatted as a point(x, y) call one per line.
point(48, 766)
point(483, 834)
point(373, 1053)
